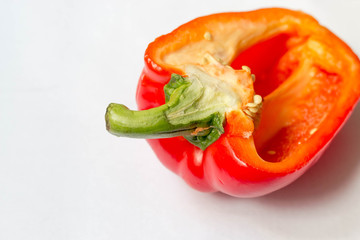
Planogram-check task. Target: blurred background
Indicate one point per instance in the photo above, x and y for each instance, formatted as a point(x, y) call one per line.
point(62, 176)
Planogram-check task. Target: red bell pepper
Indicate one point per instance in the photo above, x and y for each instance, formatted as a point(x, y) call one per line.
point(209, 122)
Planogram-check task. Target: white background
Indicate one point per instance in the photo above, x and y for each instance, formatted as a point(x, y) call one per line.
point(62, 176)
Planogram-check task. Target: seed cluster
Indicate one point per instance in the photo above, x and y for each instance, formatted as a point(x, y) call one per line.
point(252, 108)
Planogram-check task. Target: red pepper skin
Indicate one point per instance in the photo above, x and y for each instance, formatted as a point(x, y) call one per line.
point(225, 166)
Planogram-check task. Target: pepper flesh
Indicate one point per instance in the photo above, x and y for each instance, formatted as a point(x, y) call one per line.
point(310, 81)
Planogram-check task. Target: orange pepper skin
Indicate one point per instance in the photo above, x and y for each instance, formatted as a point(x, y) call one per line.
point(297, 125)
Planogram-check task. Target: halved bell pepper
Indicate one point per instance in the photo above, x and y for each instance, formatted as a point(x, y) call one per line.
point(242, 103)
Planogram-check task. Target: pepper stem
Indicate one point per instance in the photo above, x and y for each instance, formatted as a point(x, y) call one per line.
point(187, 112)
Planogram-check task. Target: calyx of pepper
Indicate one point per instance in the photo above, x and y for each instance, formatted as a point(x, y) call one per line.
point(196, 105)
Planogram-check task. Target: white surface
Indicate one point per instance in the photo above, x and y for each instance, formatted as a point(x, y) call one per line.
point(62, 176)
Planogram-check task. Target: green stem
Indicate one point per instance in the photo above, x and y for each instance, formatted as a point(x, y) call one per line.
point(151, 123)
point(187, 112)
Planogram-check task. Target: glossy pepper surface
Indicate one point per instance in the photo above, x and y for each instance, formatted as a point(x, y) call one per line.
point(308, 80)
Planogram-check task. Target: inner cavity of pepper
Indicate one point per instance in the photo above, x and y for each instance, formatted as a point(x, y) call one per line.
point(297, 92)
